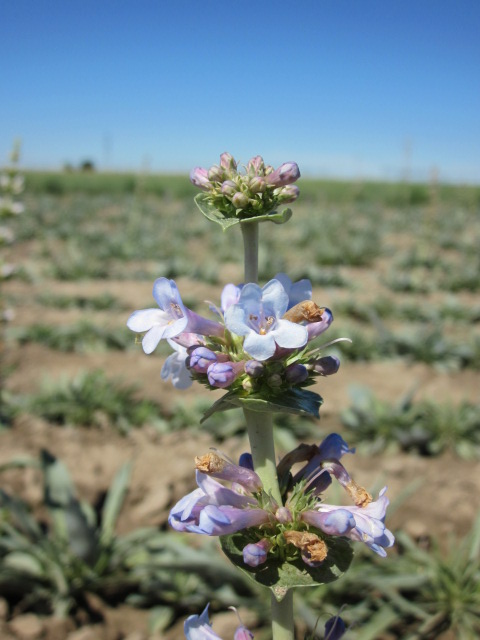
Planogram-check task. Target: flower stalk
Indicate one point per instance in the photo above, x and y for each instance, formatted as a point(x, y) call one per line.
point(262, 446)
point(282, 617)
point(250, 234)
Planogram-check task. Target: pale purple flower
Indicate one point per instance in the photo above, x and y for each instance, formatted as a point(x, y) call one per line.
point(258, 317)
point(218, 465)
point(368, 524)
point(230, 295)
point(316, 328)
point(287, 173)
point(214, 510)
point(175, 368)
point(333, 447)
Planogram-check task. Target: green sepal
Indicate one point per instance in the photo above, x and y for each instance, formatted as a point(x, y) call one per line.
point(213, 214)
point(282, 575)
point(296, 401)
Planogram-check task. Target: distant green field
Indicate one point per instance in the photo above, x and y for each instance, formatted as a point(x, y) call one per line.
point(396, 194)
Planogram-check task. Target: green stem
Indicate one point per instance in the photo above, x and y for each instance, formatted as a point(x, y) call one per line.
point(250, 243)
point(260, 435)
point(283, 627)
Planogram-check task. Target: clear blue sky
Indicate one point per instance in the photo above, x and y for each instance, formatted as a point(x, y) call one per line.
point(344, 87)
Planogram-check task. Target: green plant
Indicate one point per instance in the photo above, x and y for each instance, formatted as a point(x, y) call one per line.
point(424, 590)
point(49, 566)
point(80, 337)
point(425, 427)
point(91, 400)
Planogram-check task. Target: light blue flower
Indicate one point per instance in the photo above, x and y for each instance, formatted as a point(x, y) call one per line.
point(199, 628)
point(258, 316)
point(297, 291)
point(171, 319)
point(166, 322)
point(175, 368)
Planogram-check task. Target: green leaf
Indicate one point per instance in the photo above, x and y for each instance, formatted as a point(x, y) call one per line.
point(280, 575)
point(294, 401)
point(23, 563)
point(114, 501)
point(213, 214)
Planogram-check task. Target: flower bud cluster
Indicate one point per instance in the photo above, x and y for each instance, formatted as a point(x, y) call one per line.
point(256, 190)
point(260, 343)
point(303, 525)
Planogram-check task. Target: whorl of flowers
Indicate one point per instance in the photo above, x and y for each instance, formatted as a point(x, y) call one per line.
point(303, 525)
point(255, 190)
point(259, 343)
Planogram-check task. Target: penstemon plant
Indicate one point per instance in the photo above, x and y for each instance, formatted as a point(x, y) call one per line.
point(264, 346)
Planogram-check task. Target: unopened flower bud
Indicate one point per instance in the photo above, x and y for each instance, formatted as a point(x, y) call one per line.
point(335, 628)
point(247, 384)
point(254, 368)
point(216, 173)
point(287, 173)
point(275, 380)
point(296, 373)
point(246, 460)
point(222, 374)
point(287, 194)
point(227, 161)
point(326, 366)
point(257, 184)
point(239, 200)
point(229, 188)
point(200, 359)
point(199, 177)
point(255, 166)
point(256, 553)
point(283, 515)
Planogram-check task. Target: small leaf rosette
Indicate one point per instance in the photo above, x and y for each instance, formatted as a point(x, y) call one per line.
point(259, 349)
point(302, 541)
point(230, 196)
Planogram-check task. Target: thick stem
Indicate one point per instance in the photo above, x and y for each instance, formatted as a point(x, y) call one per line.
point(250, 243)
point(260, 434)
point(283, 627)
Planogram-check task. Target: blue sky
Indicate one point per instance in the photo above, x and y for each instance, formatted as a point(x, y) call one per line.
point(357, 88)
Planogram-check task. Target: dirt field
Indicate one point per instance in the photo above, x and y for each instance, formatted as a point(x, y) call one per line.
point(430, 496)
